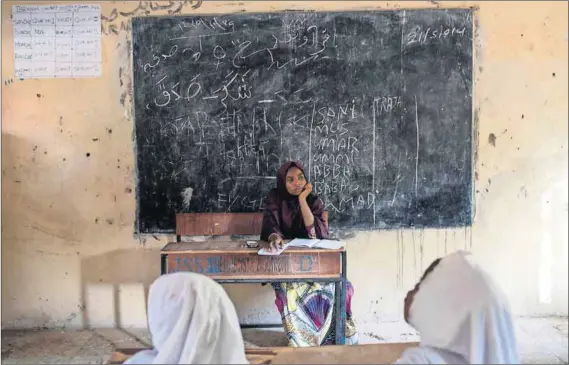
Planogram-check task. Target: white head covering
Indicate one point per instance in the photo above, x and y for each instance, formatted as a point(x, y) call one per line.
point(192, 321)
point(462, 316)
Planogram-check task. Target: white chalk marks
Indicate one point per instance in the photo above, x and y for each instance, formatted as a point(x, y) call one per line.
point(373, 157)
point(417, 153)
point(187, 197)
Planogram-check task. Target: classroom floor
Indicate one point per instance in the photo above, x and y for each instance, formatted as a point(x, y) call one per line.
point(541, 341)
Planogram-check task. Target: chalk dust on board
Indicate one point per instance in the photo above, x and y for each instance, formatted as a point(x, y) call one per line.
point(187, 197)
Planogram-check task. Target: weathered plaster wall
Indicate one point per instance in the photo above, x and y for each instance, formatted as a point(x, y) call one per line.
point(69, 256)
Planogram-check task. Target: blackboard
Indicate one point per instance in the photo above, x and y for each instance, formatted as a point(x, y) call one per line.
point(376, 104)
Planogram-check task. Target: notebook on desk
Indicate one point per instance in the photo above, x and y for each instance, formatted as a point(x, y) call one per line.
point(305, 242)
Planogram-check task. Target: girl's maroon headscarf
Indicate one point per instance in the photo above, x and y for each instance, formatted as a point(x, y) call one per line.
point(282, 214)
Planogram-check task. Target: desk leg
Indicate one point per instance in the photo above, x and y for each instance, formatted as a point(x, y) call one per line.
point(163, 259)
point(341, 288)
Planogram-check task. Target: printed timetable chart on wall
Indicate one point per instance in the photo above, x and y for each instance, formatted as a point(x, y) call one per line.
point(57, 41)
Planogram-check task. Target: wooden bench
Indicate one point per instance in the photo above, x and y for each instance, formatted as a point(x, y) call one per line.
point(380, 353)
point(231, 261)
point(257, 355)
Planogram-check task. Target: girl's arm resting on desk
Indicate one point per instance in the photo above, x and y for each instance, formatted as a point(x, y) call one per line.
point(271, 222)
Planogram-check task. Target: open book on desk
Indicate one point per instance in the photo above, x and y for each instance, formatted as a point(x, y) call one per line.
point(304, 242)
point(316, 243)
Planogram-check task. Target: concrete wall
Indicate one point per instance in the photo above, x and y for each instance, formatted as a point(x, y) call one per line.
point(69, 256)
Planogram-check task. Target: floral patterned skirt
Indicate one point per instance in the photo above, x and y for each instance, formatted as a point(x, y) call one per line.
point(308, 313)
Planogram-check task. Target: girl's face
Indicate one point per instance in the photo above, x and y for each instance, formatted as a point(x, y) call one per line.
point(295, 181)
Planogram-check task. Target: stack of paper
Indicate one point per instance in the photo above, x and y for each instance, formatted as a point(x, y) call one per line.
point(265, 252)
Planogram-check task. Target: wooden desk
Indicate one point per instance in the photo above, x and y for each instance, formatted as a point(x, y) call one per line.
point(233, 262)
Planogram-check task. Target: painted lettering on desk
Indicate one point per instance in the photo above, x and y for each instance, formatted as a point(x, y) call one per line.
point(193, 264)
point(305, 263)
point(196, 264)
point(211, 265)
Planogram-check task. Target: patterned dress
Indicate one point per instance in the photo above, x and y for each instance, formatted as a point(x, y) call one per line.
point(308, 311)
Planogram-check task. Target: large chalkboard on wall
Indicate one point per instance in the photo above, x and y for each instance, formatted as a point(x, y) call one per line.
point(377, 105)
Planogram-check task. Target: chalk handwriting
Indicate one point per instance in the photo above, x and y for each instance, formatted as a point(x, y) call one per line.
point(433, 34)
point(236, 98)
point(109, 23)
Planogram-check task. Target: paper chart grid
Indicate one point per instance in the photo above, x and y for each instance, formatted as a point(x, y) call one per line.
point(57, 41)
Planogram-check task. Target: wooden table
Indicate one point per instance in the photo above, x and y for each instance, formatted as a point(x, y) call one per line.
point(233, 262)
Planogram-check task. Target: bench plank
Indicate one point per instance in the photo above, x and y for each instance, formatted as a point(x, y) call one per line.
point(380, 353)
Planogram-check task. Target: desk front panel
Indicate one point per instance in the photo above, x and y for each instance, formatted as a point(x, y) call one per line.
point(248, 265)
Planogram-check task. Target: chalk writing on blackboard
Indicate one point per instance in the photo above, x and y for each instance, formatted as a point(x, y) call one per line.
point(376, 105)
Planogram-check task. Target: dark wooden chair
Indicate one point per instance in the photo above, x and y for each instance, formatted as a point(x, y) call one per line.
point(220, 224)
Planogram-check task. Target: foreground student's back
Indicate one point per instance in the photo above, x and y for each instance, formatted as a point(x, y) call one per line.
point(461, 315)
point(192, 321)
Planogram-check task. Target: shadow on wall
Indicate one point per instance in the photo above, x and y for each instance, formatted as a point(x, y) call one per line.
point(118, 269)
point(42, 229)
point(118, 282)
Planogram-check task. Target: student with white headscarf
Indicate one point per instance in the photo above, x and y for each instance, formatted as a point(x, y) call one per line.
point(192, 321)
point(461, 315)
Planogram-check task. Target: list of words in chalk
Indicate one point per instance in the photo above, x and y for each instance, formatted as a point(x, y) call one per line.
point(57, 41)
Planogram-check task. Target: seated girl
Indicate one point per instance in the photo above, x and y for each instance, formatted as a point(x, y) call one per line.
point(461, 315)
point(192, 321)
point(292, 211)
